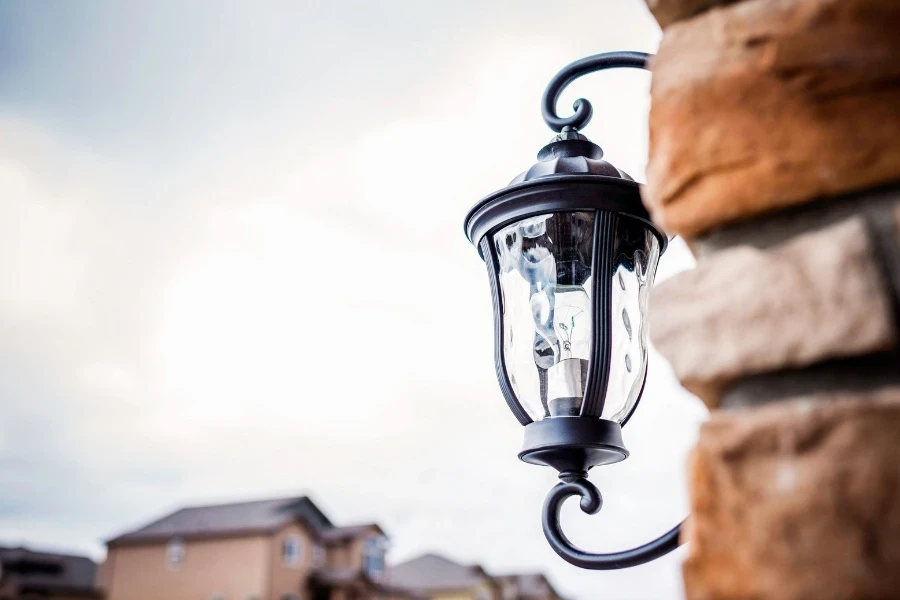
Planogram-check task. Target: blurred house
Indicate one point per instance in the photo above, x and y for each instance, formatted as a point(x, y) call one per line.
point(28, 574)
point(439, 578)
point(283, 549)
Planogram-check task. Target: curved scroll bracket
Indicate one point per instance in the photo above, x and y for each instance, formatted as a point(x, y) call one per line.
point(591, 502)
point(583, 109)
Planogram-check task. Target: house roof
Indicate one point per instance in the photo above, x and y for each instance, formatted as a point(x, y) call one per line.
point(340, 534)
point(529, 585)
point(230, 519)
point(435, 572)
point(45, 571)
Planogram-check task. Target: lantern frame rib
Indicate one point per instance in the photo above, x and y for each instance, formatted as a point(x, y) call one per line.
point(499, 360)
point(601, 279)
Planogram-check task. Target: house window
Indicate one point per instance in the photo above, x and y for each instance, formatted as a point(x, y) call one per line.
point(291, 549)
point(483, 594)
point(175, 551)
point(373, 556)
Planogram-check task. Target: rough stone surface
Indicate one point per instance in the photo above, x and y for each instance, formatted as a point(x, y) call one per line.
point(766, 104)
point(745, 311)
point(797, 501)
point(667, 12)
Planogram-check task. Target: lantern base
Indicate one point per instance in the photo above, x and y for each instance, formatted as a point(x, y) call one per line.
point(573, 444)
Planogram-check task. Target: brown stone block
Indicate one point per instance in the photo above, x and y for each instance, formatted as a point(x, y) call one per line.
point(766, 104)
point(797, 501)
point(746, 310)
point(667, 12)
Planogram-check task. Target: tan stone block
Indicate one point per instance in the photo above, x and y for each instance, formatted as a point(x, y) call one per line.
point(766, 104)
point(745, 310)
point(797, 501)
point(667, 12)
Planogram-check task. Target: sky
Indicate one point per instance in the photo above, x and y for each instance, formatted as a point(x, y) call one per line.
point(232, 267)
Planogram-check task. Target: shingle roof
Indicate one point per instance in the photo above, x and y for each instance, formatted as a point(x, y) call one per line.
point(434, 572)
point(529, 585)
point(230, 519)
point(48, 571)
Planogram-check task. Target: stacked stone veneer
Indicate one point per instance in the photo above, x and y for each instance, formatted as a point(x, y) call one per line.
point(775, 151)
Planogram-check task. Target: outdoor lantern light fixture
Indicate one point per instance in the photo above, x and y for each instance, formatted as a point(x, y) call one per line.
point(571, 254)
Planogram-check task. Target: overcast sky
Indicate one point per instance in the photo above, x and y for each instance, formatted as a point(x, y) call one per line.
point(232, 266)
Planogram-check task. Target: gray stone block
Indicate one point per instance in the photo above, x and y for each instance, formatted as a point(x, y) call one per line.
point(747, 310)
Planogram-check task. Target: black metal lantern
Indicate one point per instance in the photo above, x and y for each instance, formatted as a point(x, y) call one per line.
point(571, 254)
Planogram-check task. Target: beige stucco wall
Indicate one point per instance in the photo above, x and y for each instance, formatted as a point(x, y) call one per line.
point(244, 568)
point(339, 555)
point(236, 568)
point(355, 554)
point(289, 579)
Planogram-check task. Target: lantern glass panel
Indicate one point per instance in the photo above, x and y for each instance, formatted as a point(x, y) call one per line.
point(548, 311)
point(634, 266)
point(545, 285)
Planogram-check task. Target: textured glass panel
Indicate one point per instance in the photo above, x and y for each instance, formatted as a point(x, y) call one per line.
point(634, 266)
point(545, 284)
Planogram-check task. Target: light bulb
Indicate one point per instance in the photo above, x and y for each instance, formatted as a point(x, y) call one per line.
point(562, 319)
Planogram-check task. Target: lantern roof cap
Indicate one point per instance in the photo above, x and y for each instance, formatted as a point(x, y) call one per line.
point(570, 175)
point(570, 153)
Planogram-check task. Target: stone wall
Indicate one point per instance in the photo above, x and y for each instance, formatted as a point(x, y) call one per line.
point(775, 152)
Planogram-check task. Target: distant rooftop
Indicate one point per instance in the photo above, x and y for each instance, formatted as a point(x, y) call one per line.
point(243, 518)
point(231, 519)
point(32, 571)
point(435, 572)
